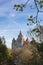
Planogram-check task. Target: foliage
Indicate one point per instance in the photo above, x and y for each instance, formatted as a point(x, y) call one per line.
point(27, 55)
point(41, 47)
point(5, 54)
point(41, 3)
point(37, 49)
point(33, 20)
point(19, 7)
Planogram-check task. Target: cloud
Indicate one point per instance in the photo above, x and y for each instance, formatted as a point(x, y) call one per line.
point(11, 21)
point(11, 15)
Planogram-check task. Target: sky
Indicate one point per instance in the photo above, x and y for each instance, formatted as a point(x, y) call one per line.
point(11, 21)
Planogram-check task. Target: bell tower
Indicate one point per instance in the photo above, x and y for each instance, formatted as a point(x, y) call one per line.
point(20, 39)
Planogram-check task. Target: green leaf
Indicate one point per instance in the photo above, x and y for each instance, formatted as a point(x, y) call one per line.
point(30, 16)
point(16, 9)
point(18, 5)
point(27, 24)
point(21, 9)
point(41, 1)
point(36, 30)
point(15, 5)
point(23, 5)
point(30, 19)
point(41, 6)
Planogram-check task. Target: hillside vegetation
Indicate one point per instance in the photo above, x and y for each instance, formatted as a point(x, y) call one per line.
point(31, 54)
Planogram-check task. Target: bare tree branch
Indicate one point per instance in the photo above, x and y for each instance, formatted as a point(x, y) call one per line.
point(27, 2)
point(41, 11)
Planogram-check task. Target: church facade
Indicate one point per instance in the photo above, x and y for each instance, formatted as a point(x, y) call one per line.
point(19, 42)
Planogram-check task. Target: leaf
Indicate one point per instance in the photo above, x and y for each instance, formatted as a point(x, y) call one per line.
point(30, 16)
point(21, 9)
point(18, 5)
point(38, 34)
point(30, 19)
point(41, 1)
point(36, 30)
point(15, 5)
point(27, 24)
point(16, 9)
point(23, 5)
point(41, 6)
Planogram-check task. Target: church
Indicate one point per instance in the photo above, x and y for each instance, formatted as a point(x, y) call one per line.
point(19, 42)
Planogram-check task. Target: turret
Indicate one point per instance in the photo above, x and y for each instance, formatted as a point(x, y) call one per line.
point(20, 36)
point(26, 42)
point(13, 43)
point(20, 39)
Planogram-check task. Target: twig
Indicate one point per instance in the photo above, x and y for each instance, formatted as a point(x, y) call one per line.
point(27, 2)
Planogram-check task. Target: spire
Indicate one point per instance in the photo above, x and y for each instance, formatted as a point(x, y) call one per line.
point(13, 40)
point(27, 40)
point(20, 33)
point(20, 36)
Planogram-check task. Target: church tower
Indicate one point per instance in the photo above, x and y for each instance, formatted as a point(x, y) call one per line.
point(19, 42)
point(13, 43)
point(20, 39)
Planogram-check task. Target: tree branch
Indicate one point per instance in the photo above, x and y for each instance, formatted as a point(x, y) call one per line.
point(41, 11)
point(37, 10)
point(27, 2)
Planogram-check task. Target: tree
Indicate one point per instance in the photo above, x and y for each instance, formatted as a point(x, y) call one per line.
point(5, 54)
point(33, 20)
point(27, 55)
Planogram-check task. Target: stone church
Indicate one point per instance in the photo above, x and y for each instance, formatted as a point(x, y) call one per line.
point(19, 42)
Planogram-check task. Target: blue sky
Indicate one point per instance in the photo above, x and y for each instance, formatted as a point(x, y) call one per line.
point(11, 22)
